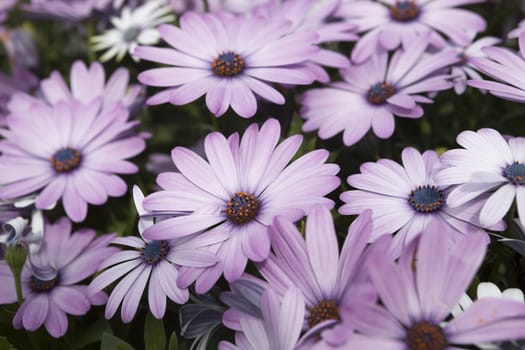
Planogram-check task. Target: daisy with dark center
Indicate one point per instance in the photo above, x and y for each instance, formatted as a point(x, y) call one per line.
point(389, 24)
point(72, 152)
point(230, 59)
point(155, 262)
point(489, 166)
point(465, 69)
point(417, 295)
point(505, 66)
point(52, 276)
point(244, 183)
point(330, 281)
point(375, 91)
point(405, 198)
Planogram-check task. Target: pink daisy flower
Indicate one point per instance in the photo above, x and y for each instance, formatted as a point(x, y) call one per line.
point(87, 84)
point(487, 163)
point(5, 6)
point(313, 15)
point(279, 327)
point(51, 278)
point(506, 66)
point(376, 90)
point(238, 190)
point(330, 280)
point(230, 59)
point(464, 69)
point(405, 199)
point(391, 23)
point(150, 262)
point(419, 291)
point(66, 10)
point(72, 151)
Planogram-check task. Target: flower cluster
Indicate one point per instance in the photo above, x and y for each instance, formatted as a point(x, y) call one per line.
point(246, 229)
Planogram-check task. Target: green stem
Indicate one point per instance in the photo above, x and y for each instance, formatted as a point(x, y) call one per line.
point(18, 285)
point(15, 256)
point(206, 5)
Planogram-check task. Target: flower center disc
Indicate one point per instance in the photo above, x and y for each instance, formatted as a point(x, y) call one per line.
point(426, 199)
point(154, 251)
point(425, 336)
point(242, 208)
point(324, 311)
point(404, 11)
point(515, 173)
point(228, 64)
point(38, 285)
point(380, 92)
point(65, 160)
point(131, 34)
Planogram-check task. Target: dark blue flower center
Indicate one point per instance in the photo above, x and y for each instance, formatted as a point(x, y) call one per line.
point(463, 58)
point(324, 311)
point(425, 336)
point(39, 286)
point(155, 251)
point(228, 64)
point(380, 92)
point(426, 199)
point(404, 11)
point(515, 173)
point(131, 34)
point(66, 159)
point(242, 208)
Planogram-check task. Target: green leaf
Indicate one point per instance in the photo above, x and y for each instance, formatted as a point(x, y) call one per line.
point(173, 342)
point(110, 342)
point(92, 334)
point(5, 345)
point(154, 335)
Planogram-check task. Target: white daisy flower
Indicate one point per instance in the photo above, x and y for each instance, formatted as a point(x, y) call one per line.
point(133, 27)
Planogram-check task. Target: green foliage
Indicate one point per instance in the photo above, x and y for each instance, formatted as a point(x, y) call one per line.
point(110, 342)
point(154, 335)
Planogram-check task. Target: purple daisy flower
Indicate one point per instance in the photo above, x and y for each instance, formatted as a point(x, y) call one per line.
point(391, 23)
point(376, 90)
point(464, 68)
point(20, 80)
point(87, 84)
point(418, 294)
point(230, 59)
point(487, 162)
point(280, 327)
point(404, 199)
point(506, 66)
point(242, 186)
point(66, 10)
point(72, 151)
point(516, 32)
point(330, 281)
point(5, 6)
point(152, 261)
point(315, 18)
point(51, 278)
